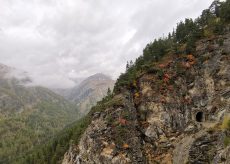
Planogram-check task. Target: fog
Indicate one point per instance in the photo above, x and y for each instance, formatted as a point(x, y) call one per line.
point(56, 41)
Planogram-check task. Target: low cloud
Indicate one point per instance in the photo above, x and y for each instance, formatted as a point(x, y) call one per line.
point(56, 41)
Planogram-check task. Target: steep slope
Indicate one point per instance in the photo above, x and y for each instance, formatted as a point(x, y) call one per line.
point(173, 119)
point(89, 91)
point(28, 115)
point(172, 105)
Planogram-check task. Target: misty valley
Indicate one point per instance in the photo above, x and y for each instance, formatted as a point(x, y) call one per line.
point(31, 115)
point(84, 82)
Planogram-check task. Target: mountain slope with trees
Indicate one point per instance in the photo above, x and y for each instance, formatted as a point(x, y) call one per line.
point(28, 114)
point(174, 100)
point(89, 91)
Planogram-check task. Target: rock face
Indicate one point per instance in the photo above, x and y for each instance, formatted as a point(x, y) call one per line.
point(173, 115)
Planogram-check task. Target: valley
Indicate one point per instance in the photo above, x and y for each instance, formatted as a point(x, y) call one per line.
point(171, 105)
point(31, 115)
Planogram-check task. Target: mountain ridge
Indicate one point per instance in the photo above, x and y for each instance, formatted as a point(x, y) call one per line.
point(28, 114)
point(173, 115)
point(174, 100)
point(170, 106)
point(89, 91)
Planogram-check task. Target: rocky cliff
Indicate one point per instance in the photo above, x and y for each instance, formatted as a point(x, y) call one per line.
point(174, 113)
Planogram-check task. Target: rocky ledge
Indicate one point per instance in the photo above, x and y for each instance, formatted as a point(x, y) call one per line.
point(174, 114)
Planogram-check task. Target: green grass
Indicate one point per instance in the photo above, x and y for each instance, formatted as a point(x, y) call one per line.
point(226, 123)
point(226, 141)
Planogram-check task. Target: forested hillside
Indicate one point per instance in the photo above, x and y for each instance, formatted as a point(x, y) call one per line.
point(29, 115)
point(212, 22)
point(156, 100)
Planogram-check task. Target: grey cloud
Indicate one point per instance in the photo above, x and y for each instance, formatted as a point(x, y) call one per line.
point(58, 40)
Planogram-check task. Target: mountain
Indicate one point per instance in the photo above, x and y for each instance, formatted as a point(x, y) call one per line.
point(28, 114)
point(89, 91)
point(170, 106)
point(176, 111)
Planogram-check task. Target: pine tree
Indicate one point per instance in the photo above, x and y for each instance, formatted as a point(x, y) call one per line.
point(127, 66)
point(109, 92)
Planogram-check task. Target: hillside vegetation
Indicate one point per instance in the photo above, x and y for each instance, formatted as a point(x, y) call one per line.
point(212, 22)
point(89, 91)
point(120, 116)
point(29, 115)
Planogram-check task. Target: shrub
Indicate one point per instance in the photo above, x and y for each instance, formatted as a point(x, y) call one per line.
point(226, 141)
point(226, 123)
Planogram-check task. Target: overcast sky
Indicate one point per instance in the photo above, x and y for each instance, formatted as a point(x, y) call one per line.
point(56, 40)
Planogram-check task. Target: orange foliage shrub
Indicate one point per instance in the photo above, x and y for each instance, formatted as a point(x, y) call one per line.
point(191, 59)
point(165, 64)
point(190, 62)
point(136, 95)
point(145, 124)
point(166, 78)
point(170, 88)
point(162, 65)
point(162, 100)
point(125, 146)
point(122, 121)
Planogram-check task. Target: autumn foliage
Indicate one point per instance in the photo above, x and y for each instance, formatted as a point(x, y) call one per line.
point(125, 146)
point(122, 121)
point(166, 78)
point(136, 95)
point(191, 59)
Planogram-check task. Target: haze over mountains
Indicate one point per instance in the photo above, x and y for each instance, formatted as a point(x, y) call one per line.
point(170, 106)
point(85, 93)
point(30, 114)
point(57, 40)
point(88, 92)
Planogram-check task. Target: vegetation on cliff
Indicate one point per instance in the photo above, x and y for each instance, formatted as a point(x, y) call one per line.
point(213, 21)
point(53, 150)
point(180, 43)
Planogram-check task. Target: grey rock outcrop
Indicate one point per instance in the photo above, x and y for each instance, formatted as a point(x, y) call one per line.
point(176, 119)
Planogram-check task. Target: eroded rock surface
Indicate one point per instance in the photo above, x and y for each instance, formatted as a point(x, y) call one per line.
point(172, 116)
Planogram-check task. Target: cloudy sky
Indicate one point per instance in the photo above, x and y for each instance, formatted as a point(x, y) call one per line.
point(57, 40)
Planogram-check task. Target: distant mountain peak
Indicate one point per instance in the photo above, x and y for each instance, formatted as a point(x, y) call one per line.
point(88, 91)
point(4, 69)
point(99, 76)
point(7, 72)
